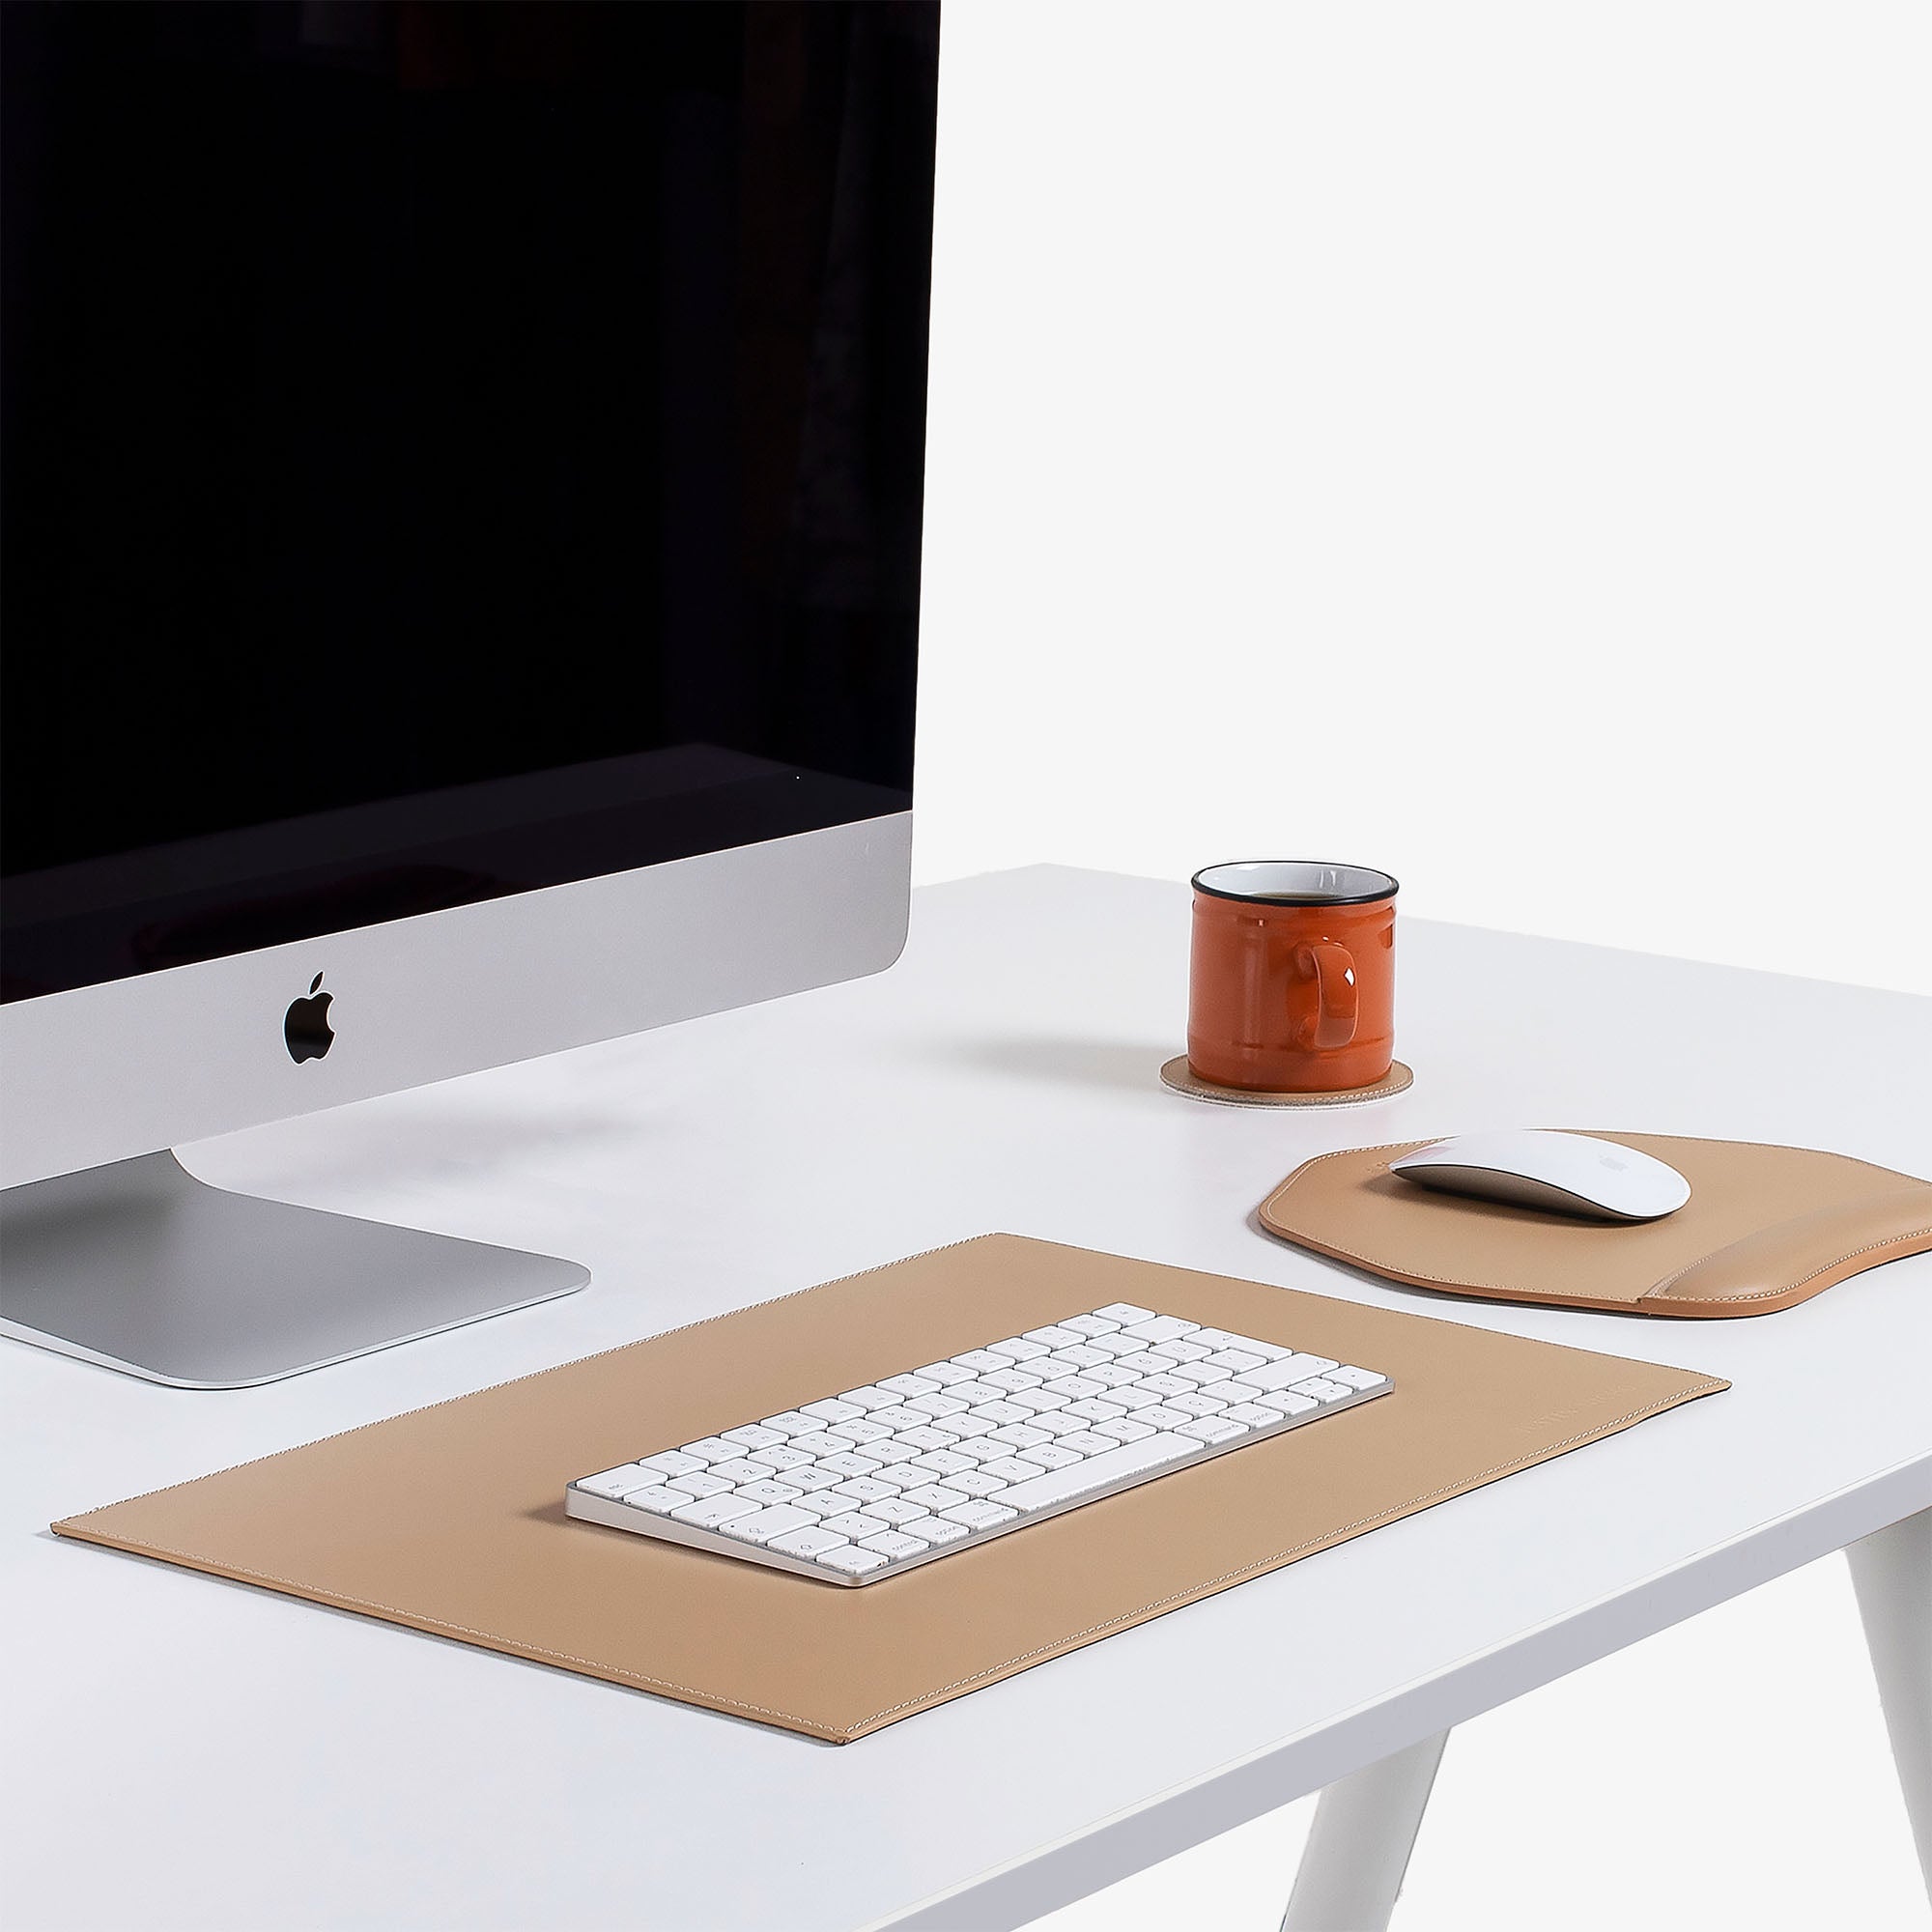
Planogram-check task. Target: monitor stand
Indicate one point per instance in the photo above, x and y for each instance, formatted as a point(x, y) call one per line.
point(140, 1267)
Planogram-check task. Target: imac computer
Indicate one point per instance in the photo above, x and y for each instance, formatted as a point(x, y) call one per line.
point(462, 483)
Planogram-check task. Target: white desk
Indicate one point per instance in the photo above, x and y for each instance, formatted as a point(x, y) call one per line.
point(186, 1753)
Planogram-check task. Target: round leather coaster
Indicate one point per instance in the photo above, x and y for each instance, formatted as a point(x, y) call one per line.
point(1181, 1077)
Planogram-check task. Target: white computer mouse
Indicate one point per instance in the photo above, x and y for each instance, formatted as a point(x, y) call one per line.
point(1564, 1174)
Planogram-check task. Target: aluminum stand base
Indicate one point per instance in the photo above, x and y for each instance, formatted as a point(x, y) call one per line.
point(141, 1267)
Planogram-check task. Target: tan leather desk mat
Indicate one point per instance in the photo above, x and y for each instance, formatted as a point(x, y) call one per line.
point(450, 1520)
point(1765, 1226)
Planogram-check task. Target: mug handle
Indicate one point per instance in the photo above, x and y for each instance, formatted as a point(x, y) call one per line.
point(1333, 970)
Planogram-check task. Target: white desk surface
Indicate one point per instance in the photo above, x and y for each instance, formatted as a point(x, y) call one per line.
point(186, 1753)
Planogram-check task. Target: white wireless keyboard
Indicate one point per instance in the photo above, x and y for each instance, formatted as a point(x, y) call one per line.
point(880, 1479)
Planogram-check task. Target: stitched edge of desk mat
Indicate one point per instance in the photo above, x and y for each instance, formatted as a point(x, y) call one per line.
point(449, 1519)
point(1767, 1226)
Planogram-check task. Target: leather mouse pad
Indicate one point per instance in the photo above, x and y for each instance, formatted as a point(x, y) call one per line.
point(450, 1520)
point(1765, 1226)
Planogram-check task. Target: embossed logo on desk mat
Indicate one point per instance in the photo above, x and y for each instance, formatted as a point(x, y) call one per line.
point(450, 1520)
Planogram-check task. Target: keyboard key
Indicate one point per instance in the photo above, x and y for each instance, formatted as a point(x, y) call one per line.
point(1018, 1350)
point(754, 1436)
point(870, 1396)
point(700, 1484)
point(896, 1510)
point(1055, 1336)
point(925, 1437)
point(1252, 1416)
point(1079, 1356)
point(1121, 1348)
point(1124, 1458)
point(675, 1462)
point(978, 1516)
point(1124, 1429)
point(905, 1385)
point(815, 1476)
point(1096, 1410)
point(981, 1361)
point(1000, 1413)
point(1008, 1380)
point(813, 1541)
point(766, 1492)
point(854, 1523)
point(1196, 1403)
point(1189, 1350)
point(1211, 1339)
point(1237, 1388)
point(1090, 1325)
point(863, 1489)
point(790, 1422)
point(662, 1499)
point(833, 1411)
point(783, 1456)
point(937, 1405)
point(1357, 1378)
point(1111, 1375)
point(893, 1449)
point(612, 1482)
point(1010, 1469)
point(859, 1432)
point(935, 1496)
point(962, 1428)
point(1049, 1455)
point(935, 1529)
point(763, 1524)
point(852, 1559)
point(744, 1470)
point(1157, 1362)
point(1055, 1424)
point(1125, 1314)
point(1159, 1328)
point(1234, 1360)
point(941, 1463)
point(975, 1482)
point(1285, 1402)
point(1200, 1374)
point(713, 1449)
point(1133, 1397)
point(1165, 1385)
point(1322, 1389)
point(944, 1374)
point(1039, 1400)
point(896, 1542)
point(1088, 1442)
point(1211, 1429)
point(1072, 1387)
point(1162, 1416)
point(714, 1512)
point(850, 1464)
point(1288, 1371)
point(1020, 1436)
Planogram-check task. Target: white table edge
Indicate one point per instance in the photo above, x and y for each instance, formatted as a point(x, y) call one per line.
point(1012, 1894)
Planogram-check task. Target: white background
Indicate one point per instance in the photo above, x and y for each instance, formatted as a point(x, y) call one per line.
point(1495, 443)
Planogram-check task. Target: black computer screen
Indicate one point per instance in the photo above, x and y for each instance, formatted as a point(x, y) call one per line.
point(448, 449)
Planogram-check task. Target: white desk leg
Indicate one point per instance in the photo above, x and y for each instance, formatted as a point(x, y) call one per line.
point(1358, 1847)
point(1892, 1575)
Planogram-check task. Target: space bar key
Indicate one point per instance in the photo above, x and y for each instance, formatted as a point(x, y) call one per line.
point(1057, 1486)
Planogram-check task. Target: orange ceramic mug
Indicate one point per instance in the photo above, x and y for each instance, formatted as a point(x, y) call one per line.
point(1292, 989)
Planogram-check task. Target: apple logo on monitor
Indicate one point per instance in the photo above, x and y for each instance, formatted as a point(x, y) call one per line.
point(307, 1028)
